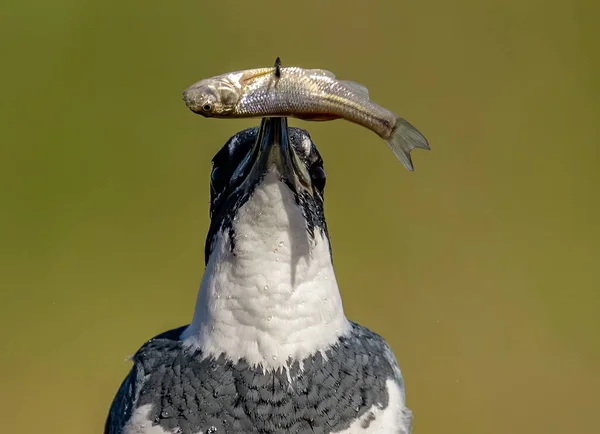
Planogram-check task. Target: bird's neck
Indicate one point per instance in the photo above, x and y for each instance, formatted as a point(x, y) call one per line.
point(274, 296)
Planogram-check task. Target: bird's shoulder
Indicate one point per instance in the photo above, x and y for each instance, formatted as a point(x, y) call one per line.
point(375, 348)
point(390, 413)
point(148, 360)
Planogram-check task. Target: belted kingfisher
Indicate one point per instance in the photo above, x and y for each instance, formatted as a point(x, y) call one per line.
point(269, 349)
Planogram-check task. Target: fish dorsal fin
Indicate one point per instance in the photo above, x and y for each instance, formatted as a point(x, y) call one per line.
point(278, 67)
point(322, 73)
point(356, 87)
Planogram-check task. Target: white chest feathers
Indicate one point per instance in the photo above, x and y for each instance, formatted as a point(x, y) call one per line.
point(275, 296)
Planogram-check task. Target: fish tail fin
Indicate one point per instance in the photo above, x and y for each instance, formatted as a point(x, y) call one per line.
point(405, 138)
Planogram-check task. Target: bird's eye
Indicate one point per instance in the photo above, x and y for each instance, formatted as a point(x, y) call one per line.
point(318, 177)
point(207, 107)
point(218, 180)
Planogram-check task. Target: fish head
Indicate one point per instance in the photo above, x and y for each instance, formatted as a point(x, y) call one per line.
point(213, 97)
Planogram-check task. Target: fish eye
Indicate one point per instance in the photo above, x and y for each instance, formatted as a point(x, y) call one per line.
point(207, 107)
point(318, 177)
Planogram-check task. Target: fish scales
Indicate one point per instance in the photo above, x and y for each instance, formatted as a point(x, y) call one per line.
point(297, 93)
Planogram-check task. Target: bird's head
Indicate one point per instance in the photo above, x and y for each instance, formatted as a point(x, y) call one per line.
point(273, 174)
point(269, 275)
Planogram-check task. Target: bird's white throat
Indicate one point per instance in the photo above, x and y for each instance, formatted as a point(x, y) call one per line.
point(275, 296)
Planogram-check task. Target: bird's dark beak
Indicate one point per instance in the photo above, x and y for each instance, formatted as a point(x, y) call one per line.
point(273, 148)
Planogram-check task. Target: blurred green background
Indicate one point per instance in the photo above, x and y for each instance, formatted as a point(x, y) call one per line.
point(486, 257)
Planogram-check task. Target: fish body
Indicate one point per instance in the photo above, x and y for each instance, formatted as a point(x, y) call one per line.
point(308, 94)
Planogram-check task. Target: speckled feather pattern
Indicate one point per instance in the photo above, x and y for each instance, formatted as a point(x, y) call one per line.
point(189, 394)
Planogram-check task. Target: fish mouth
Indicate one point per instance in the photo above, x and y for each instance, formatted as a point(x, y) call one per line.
point(195, 99)
point(273, 149)
point(200, 98)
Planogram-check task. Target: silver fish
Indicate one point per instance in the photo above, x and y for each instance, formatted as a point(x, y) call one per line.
point(309, 94)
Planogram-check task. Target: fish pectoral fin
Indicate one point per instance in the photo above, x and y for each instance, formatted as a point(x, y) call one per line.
point(356, 87)
point(316, 117)
point(322, 73)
